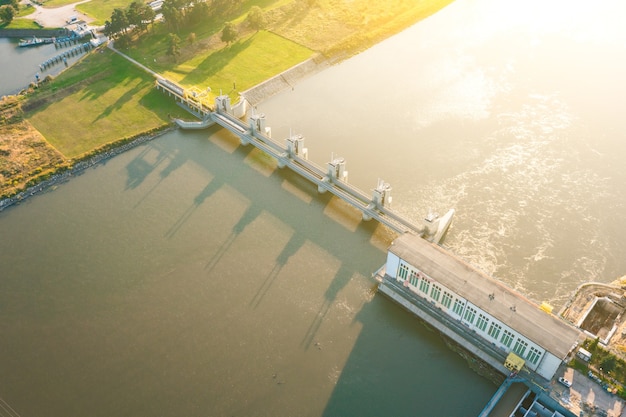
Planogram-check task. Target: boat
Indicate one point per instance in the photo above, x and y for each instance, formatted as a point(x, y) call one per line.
point(34, 41)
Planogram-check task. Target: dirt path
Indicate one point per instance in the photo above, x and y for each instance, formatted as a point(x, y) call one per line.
point(57, 17)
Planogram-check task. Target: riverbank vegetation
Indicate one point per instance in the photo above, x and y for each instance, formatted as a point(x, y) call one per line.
point(605, 368)
point(104, 99)
point(25, 156)
point(11, 11)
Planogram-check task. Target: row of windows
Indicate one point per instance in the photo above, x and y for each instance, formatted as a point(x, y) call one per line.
point(469, 314)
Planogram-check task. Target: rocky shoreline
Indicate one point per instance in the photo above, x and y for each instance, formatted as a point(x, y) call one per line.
point(79, 167)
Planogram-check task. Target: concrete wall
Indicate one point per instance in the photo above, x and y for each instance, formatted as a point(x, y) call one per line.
point(29, 33)
point(392, 265)
point(548, 365)
point(285, 80)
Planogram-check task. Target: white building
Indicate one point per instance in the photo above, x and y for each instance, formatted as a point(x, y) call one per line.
point(487, 308)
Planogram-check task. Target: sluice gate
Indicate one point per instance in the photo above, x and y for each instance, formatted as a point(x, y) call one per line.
point(294, 155)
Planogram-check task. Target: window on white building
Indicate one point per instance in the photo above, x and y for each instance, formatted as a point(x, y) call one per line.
point(533, 355)
point(435, 292)
point(414, 278)
point(520, 347)
point(482, 322)
point(494, 330)
point(507, 338)
point(424, 285)
point(446, 300)
point(403, 271)
point(470, 314)
point(458, 307)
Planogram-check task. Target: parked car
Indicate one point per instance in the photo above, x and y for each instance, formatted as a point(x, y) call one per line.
point(565, 382)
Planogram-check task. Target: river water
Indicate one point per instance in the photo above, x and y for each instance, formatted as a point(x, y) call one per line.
point(191, 277)
point(508, 111)
point(20, 66)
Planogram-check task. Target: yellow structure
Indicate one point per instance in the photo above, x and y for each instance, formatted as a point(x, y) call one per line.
point(514, 363)
point(546, 307)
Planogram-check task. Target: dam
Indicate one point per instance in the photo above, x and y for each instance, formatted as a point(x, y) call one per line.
point(294, 155)
point(499, 327)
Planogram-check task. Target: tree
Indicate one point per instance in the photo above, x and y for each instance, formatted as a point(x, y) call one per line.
point(14, 3)
point(199, 11)
point(119, 21)
point(140, 14)
point(174, 47)
point(147, 15)
point(133, 14)
point(229, 33)
point(171, 15)
point(256, 18)
point(7, 13)
point(608, 363)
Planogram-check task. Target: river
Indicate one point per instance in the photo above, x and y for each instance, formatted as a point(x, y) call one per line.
point(509, 112)
point(191, 277)
point(20, 66)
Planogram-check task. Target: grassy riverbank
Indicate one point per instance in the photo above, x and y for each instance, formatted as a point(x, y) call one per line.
point(105, 100)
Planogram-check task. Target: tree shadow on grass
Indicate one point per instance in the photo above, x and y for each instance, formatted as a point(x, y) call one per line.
point(216, 62)
point(123, 99)
point(293, 18)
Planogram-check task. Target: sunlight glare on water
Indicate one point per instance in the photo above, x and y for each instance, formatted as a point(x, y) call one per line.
point(507, 111)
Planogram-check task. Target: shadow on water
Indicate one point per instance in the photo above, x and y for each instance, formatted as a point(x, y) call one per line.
point(423, 361)
point(251, 213)
point(206, 192)
point(412, 371)
point(139, 167)
point(387, 363)
point(268, 196)
point(294, 244)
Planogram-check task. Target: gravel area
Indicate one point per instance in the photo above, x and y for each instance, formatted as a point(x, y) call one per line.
point(57, 17)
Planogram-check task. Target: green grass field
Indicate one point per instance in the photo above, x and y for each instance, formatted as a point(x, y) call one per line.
point(109, 105)
point(19, 23)
point(101, 10)
point(105, 98)
point(244, 64)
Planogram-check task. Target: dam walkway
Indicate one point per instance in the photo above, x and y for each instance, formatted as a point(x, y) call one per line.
point(293, 155)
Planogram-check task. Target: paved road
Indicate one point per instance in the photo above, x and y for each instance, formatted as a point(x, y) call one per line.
point(57, 17)
point(587, 395)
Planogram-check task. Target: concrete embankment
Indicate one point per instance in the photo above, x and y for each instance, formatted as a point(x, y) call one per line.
point(78, 167)
point(284, 80)
point(29, 33)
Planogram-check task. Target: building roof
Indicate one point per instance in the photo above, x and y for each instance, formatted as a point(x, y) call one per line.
point(503, 303)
